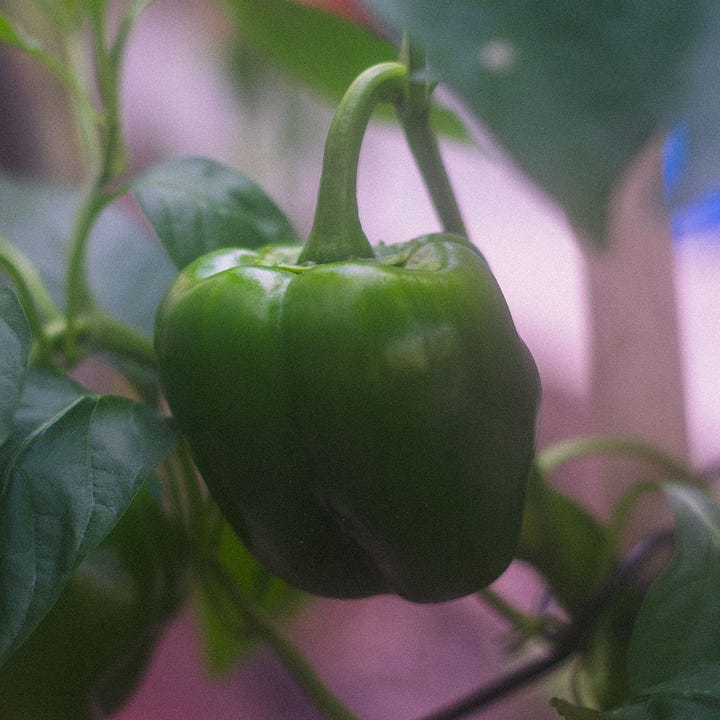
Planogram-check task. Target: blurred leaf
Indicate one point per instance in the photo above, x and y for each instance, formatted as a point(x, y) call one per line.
point(15, 342)
point(563, 542)
point(197, 205)
point(572, 90)
point(321, 50)
point(69, 471)
point(68, 14)
point(224, 646)
point(699, 174)
point(12, 35)
point(128, 269)
point(678, 625)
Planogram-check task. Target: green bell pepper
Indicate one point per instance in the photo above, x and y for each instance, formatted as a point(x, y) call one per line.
point(367, 426)
point(364, 418)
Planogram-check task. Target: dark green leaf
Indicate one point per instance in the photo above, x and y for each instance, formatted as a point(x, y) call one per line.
point(678, 625)
point(225, 643)
point(696, 687)
point(691, 695)
point(14, 349)
point(69, 471)
point(572, 90)
point(197, 205)
point(128, 270)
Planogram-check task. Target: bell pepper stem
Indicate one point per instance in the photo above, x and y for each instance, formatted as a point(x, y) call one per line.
point(337, 234)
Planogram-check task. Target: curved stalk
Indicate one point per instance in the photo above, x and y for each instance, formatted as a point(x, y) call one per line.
point(42, 313)
point(34, 296)
point(337, 233)
point(110, 160)
point(564, 452)
point(79, 297)
point(108, 334)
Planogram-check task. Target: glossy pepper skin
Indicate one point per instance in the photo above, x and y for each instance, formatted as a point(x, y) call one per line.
point(90, 651)
point(367, 426)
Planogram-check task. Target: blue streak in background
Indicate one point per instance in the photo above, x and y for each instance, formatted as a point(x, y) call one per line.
point(699, 216)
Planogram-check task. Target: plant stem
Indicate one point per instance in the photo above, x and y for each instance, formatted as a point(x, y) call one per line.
point(337, 233)
point(106, 333)
point(561, 453)
point(424, 146)
point(79, 297)
point(34, 296)
point(41, 311)
point(528, 624)
point(303, 672)
point(567, 642)
point(107, 153)
point(414, 113)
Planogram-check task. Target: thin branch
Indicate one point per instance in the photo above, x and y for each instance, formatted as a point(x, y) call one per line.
point(567, 642)
point(291, 657)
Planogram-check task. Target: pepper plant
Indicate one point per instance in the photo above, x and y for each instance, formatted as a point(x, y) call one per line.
point(327, 416)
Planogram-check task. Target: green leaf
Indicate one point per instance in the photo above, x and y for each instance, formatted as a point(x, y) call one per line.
point(563, 542)
point(694, 692)
point(319, 49)
point(15, 340)
point(691, 695)
point(127, 269)
point(678, 625)
point(572, 90)
point(225, 644)
point(69, 471)
point(197, 205)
